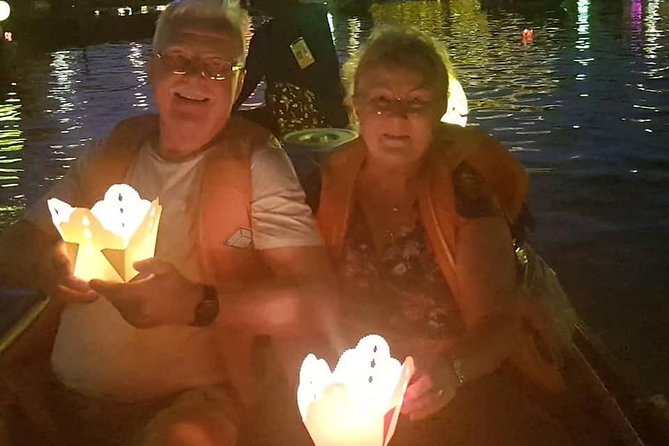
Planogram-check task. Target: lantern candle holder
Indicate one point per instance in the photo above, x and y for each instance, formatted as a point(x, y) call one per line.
point(103, 242)
point(358, 404)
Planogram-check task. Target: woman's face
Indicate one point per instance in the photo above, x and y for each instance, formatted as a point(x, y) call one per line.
point(397, 112)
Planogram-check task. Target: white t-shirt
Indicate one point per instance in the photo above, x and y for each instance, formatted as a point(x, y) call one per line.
point(96, 352)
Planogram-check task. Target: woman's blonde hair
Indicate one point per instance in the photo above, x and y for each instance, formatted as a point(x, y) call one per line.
point(393, 46)
point(220, 16)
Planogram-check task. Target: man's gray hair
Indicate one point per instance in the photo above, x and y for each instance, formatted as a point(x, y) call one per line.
point(220, 16)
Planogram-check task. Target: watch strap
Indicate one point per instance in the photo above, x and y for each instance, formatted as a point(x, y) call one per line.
point(207, 309)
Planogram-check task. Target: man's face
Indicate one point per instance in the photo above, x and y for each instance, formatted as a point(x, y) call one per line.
point(193, 107)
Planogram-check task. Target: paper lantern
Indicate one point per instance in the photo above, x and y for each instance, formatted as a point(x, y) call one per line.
point(5, 10)
point(359, 403)
point(103, 242)
point(457, 109)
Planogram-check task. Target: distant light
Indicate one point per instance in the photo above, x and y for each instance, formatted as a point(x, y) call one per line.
point(144, 9)
point(161, 7)
point(5, 10)
point(96, 12)
point(528, 35)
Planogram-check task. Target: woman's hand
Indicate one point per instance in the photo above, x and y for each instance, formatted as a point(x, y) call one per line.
point(158, 296)
point(56, 279)
point(430, 390)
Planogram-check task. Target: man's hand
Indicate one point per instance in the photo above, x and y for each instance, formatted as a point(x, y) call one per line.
point(56, 279)
point(158, 296)
point(430, 390)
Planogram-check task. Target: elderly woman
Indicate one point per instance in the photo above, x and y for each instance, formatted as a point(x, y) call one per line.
point(417, 215)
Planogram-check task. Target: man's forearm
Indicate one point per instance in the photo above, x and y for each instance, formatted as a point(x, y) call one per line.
point(280, 309)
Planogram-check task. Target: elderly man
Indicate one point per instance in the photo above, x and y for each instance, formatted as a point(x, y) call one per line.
point(237, 254)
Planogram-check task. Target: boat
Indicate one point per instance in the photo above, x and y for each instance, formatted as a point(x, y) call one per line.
point(29, 320)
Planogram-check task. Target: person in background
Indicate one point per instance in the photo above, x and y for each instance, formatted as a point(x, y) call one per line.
point(417, 216)
point(166, 359)
point(295, 55)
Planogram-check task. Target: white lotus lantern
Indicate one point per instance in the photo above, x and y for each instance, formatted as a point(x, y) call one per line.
point(359, 403)
point(457, 109)
point(103, 242)
point(5, 10)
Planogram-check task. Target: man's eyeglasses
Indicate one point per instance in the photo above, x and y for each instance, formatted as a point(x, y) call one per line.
point(211, 67)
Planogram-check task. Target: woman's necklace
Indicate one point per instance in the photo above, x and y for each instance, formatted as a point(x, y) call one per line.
point(390, 212)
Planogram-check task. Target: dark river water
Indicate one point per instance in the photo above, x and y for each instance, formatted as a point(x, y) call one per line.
point(585, 107)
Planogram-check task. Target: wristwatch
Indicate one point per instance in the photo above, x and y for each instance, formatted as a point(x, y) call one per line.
point(207, 309)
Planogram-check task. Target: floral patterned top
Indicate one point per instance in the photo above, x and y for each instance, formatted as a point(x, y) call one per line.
point(399, 292)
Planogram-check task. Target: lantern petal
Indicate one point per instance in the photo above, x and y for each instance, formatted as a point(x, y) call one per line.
point(315, 375)
point(121, 210)
point(60, 213)
point(92, 264)
point(117, 259)
point(142, 244)
point(71, 249)
point(397, 398)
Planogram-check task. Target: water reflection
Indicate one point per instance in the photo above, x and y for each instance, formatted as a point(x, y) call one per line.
point(11, 144)
point(428, 16)
point(138, 62)
point(651, 31)
point(354, 28)
point(59, 104)
point(636, 20)
point(11, 140)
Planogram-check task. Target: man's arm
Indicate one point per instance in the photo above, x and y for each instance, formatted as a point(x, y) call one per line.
point(301, 298)
point(33, 258)
point(297, 297)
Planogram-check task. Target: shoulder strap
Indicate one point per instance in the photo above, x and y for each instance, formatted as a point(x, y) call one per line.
point(337, 190)
point(225, 220)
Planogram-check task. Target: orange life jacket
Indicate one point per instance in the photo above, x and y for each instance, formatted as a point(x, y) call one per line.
point(452, 145)
point(225, 207)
